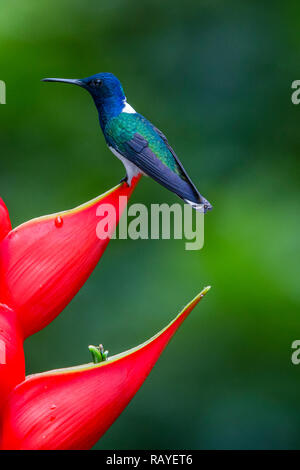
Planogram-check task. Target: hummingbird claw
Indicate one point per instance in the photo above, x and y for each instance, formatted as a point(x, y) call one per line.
point(124, 180)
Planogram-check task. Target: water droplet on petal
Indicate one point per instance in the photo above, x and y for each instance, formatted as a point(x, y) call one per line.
point(58, 222)
point(52, 418)
point(52, 407)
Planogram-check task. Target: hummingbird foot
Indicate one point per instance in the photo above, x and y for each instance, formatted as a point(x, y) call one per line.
point(124, 180)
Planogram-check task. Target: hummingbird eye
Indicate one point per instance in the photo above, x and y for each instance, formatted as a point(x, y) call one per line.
point(97, 82)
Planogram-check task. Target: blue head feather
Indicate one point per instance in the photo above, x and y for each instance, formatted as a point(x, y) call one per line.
point(103, 86)
point(107, 93)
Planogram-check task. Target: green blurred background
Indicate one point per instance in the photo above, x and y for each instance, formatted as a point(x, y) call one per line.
point(216, 78)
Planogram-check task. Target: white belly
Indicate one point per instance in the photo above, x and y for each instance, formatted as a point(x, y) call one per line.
point(131, 169)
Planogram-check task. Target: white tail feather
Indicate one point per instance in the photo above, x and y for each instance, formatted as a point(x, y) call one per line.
point(197, 206)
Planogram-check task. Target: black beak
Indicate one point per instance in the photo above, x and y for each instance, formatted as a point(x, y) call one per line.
point(65, 80)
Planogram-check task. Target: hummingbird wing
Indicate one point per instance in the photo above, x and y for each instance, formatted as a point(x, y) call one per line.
point(179, 164)
point(139, 153)
point(144, 145)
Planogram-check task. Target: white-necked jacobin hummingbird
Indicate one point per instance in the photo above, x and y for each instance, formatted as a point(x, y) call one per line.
point(140, 146)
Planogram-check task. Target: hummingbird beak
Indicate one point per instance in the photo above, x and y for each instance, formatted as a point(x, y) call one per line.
point(65, 80)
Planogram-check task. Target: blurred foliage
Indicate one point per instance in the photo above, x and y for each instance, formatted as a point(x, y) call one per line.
point(216, 78)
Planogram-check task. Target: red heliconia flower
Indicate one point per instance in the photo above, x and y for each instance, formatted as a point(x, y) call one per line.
point(12, 363)
point(44, 262)
point(72, 408)
point(5, 225)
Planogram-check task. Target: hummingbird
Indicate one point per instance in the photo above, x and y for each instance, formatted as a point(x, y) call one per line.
point(140, 146)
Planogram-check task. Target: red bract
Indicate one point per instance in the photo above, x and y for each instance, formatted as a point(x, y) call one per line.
point(44, 262)
point(5, 225)
point(72, 408)
point(12, 364)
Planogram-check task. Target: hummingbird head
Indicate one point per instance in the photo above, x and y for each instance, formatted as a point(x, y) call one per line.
point(103, 87)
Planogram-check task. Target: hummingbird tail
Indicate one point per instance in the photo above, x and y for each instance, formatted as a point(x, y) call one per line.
point(202, 206)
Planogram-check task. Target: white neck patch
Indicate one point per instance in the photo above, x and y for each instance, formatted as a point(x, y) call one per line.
point(128, 109)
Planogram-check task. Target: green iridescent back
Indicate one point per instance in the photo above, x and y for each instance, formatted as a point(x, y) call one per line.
point(122, 128)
